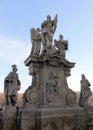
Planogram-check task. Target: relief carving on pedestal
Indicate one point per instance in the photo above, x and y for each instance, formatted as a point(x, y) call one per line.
point(52, 88)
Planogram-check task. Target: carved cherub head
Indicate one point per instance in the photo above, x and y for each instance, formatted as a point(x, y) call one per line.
point(83, 76)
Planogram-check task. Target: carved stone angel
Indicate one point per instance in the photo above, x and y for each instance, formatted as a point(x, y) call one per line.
point(62, 46)
point(48, 28)
point(36, 41)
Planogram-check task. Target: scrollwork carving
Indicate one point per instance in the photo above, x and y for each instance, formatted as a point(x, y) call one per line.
point(30, 95)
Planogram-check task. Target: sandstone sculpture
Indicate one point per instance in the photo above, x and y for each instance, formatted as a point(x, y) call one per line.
point(48, 28)
point(61, 45)
point(36, 41)
point(11, 86)
point(85, 91)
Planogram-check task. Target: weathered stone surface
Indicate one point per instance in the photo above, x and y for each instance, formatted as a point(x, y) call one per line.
point(51, 79)
point(28, 119)
point(85, 91)
point(56, 118)
point(9, 118)
point(62, 46)
point(48, 28)
point(36, 39)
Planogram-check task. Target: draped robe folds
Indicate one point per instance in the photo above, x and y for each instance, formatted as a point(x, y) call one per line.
point(85, 92)
point(11, 86)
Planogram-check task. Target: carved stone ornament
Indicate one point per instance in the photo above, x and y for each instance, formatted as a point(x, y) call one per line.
point(30, 95)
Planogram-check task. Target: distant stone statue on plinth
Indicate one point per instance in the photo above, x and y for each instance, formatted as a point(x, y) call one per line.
point(11, 87)
point(85, 91)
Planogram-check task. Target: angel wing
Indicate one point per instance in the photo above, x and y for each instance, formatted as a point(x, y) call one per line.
point(55, 22)
point(33, 33)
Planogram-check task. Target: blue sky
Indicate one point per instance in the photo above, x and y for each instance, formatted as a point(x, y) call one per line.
point(75, 22)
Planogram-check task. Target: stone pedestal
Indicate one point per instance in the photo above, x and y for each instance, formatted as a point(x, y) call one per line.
point(51, 74)
point(29, 119)
point(65, 118)
point(56, 118)
point(55, 107)
point(9, 118)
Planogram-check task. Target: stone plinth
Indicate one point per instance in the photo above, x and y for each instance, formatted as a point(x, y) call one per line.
point(51, 74)
point(28, 119)
point(65, 118)
point(9, 118)
point(56, 118)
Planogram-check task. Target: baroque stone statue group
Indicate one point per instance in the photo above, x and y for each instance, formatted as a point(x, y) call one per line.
point(47, 103)
point(43, 37)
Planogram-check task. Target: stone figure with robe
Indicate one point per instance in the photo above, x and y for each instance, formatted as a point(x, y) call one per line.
point(61, 45)
point(48, 28)
point(85, 91)
point(36, 41)
point(11, 87)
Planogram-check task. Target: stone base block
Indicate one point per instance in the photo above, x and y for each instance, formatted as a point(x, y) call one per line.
point(65, 118)
point(9, 118)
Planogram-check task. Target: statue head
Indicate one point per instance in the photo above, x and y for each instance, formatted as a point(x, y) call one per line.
point(83, 76)
point(14, 68)
point(61, 36)
point(38, 29)
point(48, 17)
